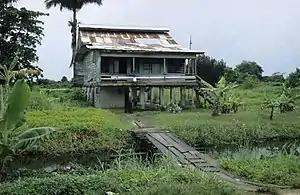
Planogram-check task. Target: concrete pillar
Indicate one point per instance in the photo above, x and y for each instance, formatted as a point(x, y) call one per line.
point(161, 96)
point(142, 97)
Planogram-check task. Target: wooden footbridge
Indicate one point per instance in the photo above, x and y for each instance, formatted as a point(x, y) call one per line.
point(167, 143)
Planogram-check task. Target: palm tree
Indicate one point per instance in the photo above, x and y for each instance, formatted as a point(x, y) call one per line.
point(74, 6)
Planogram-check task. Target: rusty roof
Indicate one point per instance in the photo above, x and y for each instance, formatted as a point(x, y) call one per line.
point(134, 39)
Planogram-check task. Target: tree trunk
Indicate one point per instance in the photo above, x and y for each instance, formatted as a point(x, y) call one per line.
point(216, 109)
point(74, 30)
point(272, 113)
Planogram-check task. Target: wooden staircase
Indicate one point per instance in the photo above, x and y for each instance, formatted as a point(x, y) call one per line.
point(209, 97)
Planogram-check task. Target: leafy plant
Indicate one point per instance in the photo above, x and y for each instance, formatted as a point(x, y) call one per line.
point(173, 108)
point(220, 92)
point(285, 102)
point(13, 118)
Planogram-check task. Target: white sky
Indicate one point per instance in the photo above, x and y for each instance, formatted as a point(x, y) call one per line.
point(265, 31)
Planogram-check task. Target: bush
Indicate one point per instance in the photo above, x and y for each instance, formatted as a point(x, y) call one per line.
point(82, 128)
point(250, 82)
point(39, 100)
point(78, 94)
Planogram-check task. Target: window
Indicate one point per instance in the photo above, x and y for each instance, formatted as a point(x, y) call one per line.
point(147, 68)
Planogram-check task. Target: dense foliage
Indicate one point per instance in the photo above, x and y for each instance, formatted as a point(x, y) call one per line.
point(21, 32)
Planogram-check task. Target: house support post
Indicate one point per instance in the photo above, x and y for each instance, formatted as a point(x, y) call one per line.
point(134, 96)
point(182, 96)
point(192, 96)
point(142, 97)
point(152, 95)
point(172, 94)
point(161, 96)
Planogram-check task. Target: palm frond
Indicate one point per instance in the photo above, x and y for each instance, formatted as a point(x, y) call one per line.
point(32, 136)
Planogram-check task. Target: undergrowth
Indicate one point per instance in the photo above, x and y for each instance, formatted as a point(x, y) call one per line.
point(280, 169)
point(200, 129)
point(131, 176)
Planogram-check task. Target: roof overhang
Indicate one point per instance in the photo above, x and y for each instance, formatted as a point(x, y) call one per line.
point(137, 53)
point(123, 28)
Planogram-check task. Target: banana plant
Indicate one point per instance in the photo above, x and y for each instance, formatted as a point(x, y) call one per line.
point(219, 92)
point(13, 118)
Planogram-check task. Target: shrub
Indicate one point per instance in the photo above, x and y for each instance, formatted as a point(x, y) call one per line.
point(39, 100)
point(83, 128)
point(78, 94)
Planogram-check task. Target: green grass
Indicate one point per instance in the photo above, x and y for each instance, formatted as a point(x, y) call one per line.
point(283, 169)
point(82, 128)
point(200, 128)
point(125, 177)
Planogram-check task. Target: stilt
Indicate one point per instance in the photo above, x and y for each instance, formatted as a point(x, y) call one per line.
point(171, 94)
point(161, 96)
point(182, 96)
point(142, 97)
point(134, 96)
point(192, 96)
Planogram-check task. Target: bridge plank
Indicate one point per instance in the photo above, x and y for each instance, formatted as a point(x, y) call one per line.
point(160, 139)
point(174, 143)
point(182, 143)
point(179, 155)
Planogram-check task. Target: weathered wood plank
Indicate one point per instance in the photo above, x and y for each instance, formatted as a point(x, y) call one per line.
point(181, 148)
point(157, 144)
point(160, 139)
point(205, 157)
point(179, 155)
point(180, 142)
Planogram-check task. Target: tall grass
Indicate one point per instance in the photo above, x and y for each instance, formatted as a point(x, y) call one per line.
point(129, 176)
point(280, 169)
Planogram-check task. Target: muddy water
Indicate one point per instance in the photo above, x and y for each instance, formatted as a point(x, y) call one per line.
point(265, 149)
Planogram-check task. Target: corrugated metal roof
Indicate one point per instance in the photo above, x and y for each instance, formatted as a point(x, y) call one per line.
point(123, 28)
point(129, 39)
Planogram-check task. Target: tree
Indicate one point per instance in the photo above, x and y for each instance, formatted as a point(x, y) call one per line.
point(293, 80)
point(64, 79)
point(20, 33)
point(250, 68)
point(74, 6)
point(210, 69)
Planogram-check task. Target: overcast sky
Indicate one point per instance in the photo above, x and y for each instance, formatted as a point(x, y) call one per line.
point(265, 31)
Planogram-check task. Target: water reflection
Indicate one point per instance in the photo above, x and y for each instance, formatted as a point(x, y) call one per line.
point(258, 151)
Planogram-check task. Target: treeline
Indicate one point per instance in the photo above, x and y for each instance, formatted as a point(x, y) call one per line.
point(212, 70)
point(52, 84)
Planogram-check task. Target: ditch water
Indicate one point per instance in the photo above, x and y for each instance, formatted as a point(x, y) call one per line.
point(27, 164)
point(258, 150)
